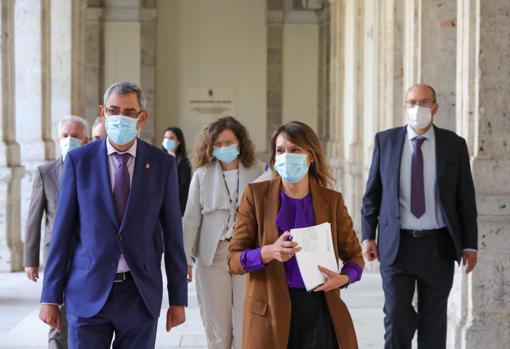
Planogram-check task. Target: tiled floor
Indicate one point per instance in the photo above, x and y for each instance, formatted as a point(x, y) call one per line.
point(20, 327)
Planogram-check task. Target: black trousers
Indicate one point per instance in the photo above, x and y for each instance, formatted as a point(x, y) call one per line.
point(428, 264)
point(310, 325)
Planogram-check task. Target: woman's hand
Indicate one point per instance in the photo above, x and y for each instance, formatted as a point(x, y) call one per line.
point(333, 280)
point(282, 249)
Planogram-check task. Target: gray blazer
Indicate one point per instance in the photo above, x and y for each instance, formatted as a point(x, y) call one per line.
point(208, 207)
point(43, 200)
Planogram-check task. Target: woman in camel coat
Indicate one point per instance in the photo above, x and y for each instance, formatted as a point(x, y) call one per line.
point(278, 312)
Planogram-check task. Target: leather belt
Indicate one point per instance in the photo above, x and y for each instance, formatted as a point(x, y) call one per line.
point(423, 233)
point(121, 277)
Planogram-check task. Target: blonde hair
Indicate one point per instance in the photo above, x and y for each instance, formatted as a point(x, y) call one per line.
point(202, 154)
point(303, 136)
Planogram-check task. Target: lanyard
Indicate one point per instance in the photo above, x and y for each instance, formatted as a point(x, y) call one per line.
point(232, 205)
point(228, 191)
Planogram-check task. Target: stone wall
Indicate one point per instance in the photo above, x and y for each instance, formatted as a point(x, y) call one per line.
point(460, 48)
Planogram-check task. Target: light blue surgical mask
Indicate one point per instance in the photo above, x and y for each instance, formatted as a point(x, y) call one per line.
point(67, 144)
point(169, 144)
point(121, 129)
point(226, 154)
point(291, 167)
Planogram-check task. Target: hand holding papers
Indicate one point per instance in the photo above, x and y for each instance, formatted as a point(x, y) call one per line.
point(317, 249)
point(282, 249)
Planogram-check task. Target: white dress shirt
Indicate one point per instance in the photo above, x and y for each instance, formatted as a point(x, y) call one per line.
point(432, 218)
point(110, 150)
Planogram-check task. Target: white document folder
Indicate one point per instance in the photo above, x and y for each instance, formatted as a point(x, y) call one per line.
point(317, 249)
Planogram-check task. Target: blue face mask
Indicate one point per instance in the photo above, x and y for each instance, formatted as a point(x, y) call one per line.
point(67, 144)
point(169, 144)
point(226, 154)
point(291, 167)
point(121, 129)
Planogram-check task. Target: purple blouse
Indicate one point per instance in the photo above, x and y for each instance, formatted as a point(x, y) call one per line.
point(294, 213)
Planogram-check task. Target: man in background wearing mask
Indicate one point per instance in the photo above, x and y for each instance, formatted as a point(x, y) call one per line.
point(98, 130)
point(121, 195)
point(72, 133)
point(420, 193)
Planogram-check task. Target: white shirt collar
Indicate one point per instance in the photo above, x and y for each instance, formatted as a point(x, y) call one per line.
point(429, 135)
point(110, 149)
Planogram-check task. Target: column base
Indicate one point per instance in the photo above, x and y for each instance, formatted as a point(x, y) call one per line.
point(11, 245)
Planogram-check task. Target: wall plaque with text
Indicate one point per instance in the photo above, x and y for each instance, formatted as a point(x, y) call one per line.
point(210, 103)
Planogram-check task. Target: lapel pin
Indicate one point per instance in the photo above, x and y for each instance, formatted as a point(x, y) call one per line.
point(147, 165)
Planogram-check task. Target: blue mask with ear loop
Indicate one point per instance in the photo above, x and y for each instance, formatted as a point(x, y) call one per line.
point(291, 167)
point(121, 129)
point(169, 144)
point(226, 154)
point(67, 144)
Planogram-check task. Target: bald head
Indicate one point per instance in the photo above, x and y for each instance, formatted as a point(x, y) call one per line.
point(421, 95)
point(422, 89)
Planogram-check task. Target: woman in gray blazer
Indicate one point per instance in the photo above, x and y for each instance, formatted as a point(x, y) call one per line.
point(225, 163)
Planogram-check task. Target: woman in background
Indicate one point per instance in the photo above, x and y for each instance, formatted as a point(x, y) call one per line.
point(175, 145)
point(279, 313)
point(225, 163)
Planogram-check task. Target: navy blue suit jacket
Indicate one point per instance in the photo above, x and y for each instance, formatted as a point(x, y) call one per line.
point(454, 184)
point(81, 266)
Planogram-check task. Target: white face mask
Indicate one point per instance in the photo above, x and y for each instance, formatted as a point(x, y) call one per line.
point(419, 117)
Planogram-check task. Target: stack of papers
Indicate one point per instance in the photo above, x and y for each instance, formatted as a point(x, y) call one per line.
point(317, 249)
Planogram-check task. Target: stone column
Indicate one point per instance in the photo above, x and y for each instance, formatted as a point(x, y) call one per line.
point(67, 59)
point(353, 108)
point(324, 75)
point(391, 63)
point(479, 310)
point(33, 80)
point(33, 91)
point(412, 40)
point(94, 62)
point(371, 84)
point(148, 65)
point(438, 50)
point(144, 14)
point(11, 246)
point(430, 52)
point(275, 18)
point(335, 144)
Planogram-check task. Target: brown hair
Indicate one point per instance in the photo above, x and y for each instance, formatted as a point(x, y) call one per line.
point(202, 154)
point(303, 136)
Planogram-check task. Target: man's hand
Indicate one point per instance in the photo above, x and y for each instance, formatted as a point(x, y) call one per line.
point(282, 249)
point(175, 316)
point(190, 273)
point(469, 258)
point(369, 250)
point(32, 273)
point(50, 314)
point(333, 280)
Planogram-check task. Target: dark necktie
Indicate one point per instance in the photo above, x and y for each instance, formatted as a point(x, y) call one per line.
point(121, 183)
point(417, 186)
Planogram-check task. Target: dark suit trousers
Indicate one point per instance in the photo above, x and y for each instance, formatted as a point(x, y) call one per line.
point(426, 263)
point(124, 314)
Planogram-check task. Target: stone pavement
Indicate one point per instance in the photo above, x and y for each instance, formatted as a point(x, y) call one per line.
point(20, 327)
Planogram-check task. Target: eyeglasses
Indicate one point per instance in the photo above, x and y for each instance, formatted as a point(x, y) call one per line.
point(125, 112)
point(427, 103)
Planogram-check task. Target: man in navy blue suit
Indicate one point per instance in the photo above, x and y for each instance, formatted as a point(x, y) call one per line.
point(118, 212)
point(420, 195)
